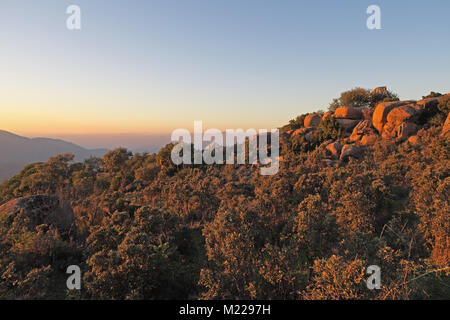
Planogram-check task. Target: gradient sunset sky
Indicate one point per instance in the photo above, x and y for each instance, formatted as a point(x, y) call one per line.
point(153, 66)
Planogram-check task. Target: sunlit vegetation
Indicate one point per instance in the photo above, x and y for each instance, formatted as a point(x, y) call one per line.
point(145, 229)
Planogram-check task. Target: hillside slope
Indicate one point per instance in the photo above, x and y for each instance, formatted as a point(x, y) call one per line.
point(17, 151)
point(356, 187)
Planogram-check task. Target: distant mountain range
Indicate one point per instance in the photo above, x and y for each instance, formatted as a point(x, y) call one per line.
point(16, 152)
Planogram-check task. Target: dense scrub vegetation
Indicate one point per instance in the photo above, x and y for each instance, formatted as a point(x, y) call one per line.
point(360, 97)
point(146, 229)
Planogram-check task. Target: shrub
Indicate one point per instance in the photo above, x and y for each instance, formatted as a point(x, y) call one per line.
point(302, 144)
point(444, 108)
point(432, 95)
point(356, 97)
point(336, 103)
point(388, 96)
point(296, 123)
point(438, 116)
point(330, 129)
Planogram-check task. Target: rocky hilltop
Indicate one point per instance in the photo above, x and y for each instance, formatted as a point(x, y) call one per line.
point(398, 121)
point(365, 183)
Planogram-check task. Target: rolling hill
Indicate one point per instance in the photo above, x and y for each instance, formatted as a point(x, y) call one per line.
point(17, 151)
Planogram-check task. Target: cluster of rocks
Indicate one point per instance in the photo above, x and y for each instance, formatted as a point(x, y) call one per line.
point(310, 124)
point(398, 120)
point(364, 133)
point(338, 152)
point(348, 117)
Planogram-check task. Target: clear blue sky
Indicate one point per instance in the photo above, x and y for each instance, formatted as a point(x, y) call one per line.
point(153, 66)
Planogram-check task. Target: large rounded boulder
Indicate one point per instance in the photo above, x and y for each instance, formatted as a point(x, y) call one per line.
point(364, 131)
point(312, 120)
point(429, 103)
point(334, 149)
point(348, 113)
point(380, 91)
point(379, 117)
point(38, 210)
point(347, 124)
point(351, 151)
point(403, 114)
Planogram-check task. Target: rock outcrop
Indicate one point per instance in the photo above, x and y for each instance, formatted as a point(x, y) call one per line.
point(446, 128)
point(364, 133)
point(350, 150)
point(348, 113)
point(347, 124)
point(302, 131)
point(348, 117)
point(369, 139)
point(334, 148)
point(327, 114)
point(397, 120)
point(379, 117)
point(429, 103)
point(307, 133)
point(367, 113)
point(403, 114)
point(405, 130)
point(312, 120)
point(380, 91)
point(36, 210)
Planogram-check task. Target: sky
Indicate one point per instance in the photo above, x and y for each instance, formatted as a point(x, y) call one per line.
point(148, 67)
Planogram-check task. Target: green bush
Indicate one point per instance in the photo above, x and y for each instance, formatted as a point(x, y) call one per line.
point(443, 109)
point(436, 114)
point(295, 124)
point(387, 97)
point(356, 97)
point(300, 144)
point(432, 95)
point(330, 129)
